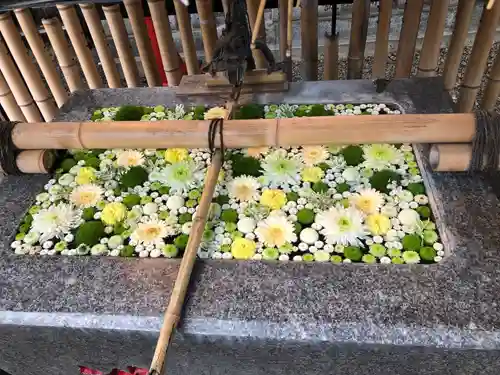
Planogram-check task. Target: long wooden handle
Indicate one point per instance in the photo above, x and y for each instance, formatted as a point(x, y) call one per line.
point(258, 22)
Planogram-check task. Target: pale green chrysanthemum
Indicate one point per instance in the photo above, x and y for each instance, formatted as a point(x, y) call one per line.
point(279, 169)
point(380, 156)
point(180, 176)
point(342, 226)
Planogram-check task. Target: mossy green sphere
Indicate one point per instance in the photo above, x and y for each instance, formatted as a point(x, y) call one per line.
point(229, 216)
point(127, 251)
point(320, 187)
point(308, 257)
point(181, 241)
point(135, 176)
point(185, 218)
point(427, 254)
point(353, 253)
point(305, 216)
point(324, 166)
point(129, 113)
point(164, 190)
point(131, 200)
point(24, 228)
point(88, 213)
point(381, 179)
point(89, 233)
point(93, 162)
point(270, 253)
point(342, 187)
point(222, 199)
point(292, 196)
point(250, 111)
point(353, 155)
point(245, 165)
point(411, 242)
point(416, 188)
point(67, 164)
point(424, 212)
point(318, 110)
point(199, 112)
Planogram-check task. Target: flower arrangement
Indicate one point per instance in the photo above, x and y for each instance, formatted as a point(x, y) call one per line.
point(337, 203)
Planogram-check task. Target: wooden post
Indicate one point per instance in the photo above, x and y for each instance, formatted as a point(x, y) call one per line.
point(208, 27)
point(408, 38)
point(93, 20)
point(168, 50)
point(37, 46)
point(309, 39)
point(8, 102)
point(478, 58)
point(136, 18)
point(36, 161)
point(123, 49)
point(357, 42)
point(331, 71)
point(28, 70)
point(64, 55)
point(429, 55)
point(188, 46)
point(458, 38)
point(289, 39)
point(283, 11)
point(18, 87)
point(382, 39)
point(450, 157)
point(252, 9)
point(492, 90)
point(74, 29)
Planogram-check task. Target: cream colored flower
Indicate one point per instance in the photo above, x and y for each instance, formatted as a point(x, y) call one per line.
point(368, 200)
point(86, 195)
point(216, 112)
point(244, 188)
point(130, 158)
point(312, 155)
point(151, 232)
point(275, 231)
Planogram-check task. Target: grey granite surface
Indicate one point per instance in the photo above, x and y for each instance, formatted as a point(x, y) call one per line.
point(452, 306)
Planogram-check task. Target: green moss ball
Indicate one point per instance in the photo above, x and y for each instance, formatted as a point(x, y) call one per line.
point(411, 242)
point(342, 187)
point(292, 196)
point(305, 216)
point(181, 241)
point(416, 188)
point(222, 199)
point(89, 233)
point(318, 110)
point(427, 254)
point(88, 213)
point(250, 111)
point(245, 165)
point(353, 253)
point(185, 218)
point(135, 176)
point(320, 187)
point(199, 112)
point(424, 212)
point(67, 164)
point(324, 166)
point(127, 251)
point(229, 216)
point(381, 179)
point(298, 228)
point(164, 190)
point(129, 113)
point(353, 155)
point(93, 162)
point(131, 200)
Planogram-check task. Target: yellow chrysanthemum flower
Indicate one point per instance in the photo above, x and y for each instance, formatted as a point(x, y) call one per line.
point(243, 249)
point(216, 112)
point(85, 176)
point(313, 155)
point(273, 198)
point(176, 155)
point(378, 224)
point(86, 195)
point(113, 213)
point(312, 174)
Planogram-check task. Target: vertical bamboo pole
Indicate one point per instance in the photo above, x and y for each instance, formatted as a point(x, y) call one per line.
point(208, 27)
point(225, 5)
point(492, 90)
point(252, 9)
point(382, 39)
point(8, 102)
point(136, 18)
point(459, 37)
point(18, 87)
point(309, 39)
point(331, 71)
point(408, 37)
point(478, 58)
point(429, 55)
point(187, 40)
point(93, 20)
point(168, 51)
point(357, 42)
point(28, 70)
point(123, 49)
point(64, 54)
point(44, 61)
point(74, 29)
point(283, 10)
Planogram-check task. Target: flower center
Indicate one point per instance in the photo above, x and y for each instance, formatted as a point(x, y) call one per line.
point(152, 232)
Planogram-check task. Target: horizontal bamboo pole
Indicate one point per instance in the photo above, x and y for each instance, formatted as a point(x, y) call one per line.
point(37, 46)
point(411, 128)
point(64, 54)
point(8, 102)
point(451, 157)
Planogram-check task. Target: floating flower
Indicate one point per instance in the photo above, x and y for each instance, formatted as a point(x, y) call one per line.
point(342, 226)
point(176, 155)
point(151, 232)
point(279, 169)
point(409, 217)
point(312, 155)
point(378, 224)
point(246, 225)
point(85, 175)
point(55, 221)
point(130, 158)
point(312, 174)
point(244, 188)
point(86, 195)
point(256, 152)
point(368, 200)
point(309, 236)
point(273, 198)
point(275, 231)
point(380, 156)
point(243, 248)
point(180, 176)
point(216, 112)
point(113, 213)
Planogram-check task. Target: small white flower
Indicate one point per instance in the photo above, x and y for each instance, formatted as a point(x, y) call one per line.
point(303, 246)
point(175, 202)
point(143, 254)
point(438, 246)
point(155, 253)
point(438, 258)
point(284, 257)
point(409, 217)
point(246, 225)
point(319, 244)
point(297, 258)
point(378, 239)
point(216, 255)
point(309, 236)
point(115, 253)
point(421, 199)
point(385, 260)
point(350, 174)
point(150, 208)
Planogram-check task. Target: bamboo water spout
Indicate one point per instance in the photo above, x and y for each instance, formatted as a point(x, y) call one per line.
point(411, 128)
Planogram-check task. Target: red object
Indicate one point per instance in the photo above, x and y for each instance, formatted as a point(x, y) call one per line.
point(130, 371)
point(156, 51)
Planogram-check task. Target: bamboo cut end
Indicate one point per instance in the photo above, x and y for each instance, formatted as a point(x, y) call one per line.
point(434, 157)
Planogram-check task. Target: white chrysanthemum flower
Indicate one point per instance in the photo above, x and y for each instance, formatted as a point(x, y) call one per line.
point(409, 217)
point(342, 226)
point(309, 236)
point(86, 195)
point(130, 158)
point(312, 155)
point(55, 221)
point(180, 176)
point(279, 169)
point(246, 225)
point(152, 232)
point(275, 231)
point(244, 188)
point(380, 156)
point(367, 200)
